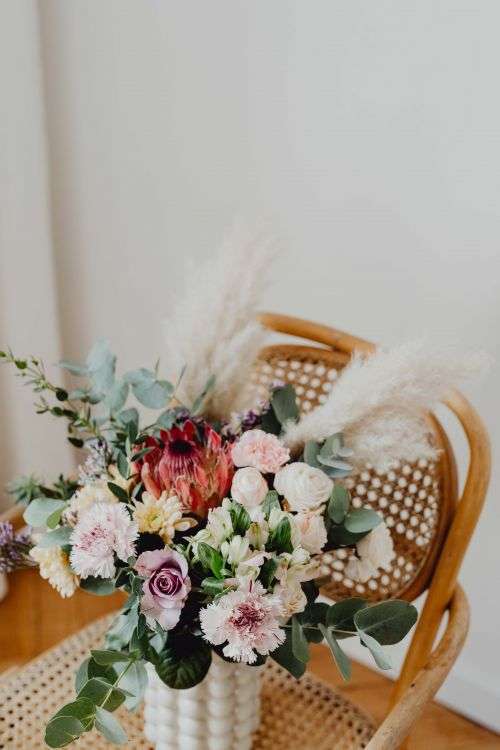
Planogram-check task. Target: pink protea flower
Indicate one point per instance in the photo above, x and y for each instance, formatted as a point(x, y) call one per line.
point(191, 462)
point(261, 450)
point(105, 529)
point(248, 619)
point(166, 587)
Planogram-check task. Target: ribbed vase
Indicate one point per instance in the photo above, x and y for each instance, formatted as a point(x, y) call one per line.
point(221, 713)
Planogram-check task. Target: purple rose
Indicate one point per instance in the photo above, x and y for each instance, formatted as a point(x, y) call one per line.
point(166, 586)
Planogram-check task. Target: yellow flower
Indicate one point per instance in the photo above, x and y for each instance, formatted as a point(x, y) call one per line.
point(54, 566)
point(163, 516)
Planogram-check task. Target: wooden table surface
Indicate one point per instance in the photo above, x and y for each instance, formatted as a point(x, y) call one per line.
point(33, 618)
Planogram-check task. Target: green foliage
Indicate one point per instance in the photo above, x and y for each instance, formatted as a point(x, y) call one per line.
point(25, 489)
point(331, 456)
point(338, 505)
point(361, 520)
point(285, 657)
point(97, 586)
point(284, 404)
point(271, 501)
point(210, 559)
point(280, 540)
point(153, 393)
point(109, 726)
point(239, 517)
point(198, 404)
point(118, 492)
point(267, 572)
point(341, 659)
point(340, 616)
point(41, 509)
point(300, 647)
point(56, 538)
point(184, 661)
point(62, 730)
point(387, 622)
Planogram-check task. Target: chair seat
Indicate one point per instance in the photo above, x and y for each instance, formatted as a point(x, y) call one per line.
point(295, 715)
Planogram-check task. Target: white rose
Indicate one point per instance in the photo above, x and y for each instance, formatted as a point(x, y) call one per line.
point(375, 550)
point(249, 487)
point(312, 531)
point(303, 486)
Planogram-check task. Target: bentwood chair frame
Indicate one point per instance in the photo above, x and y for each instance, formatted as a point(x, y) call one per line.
point(425, 667)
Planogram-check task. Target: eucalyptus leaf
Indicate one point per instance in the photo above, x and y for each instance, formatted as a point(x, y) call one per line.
point(341, 659)
point(381, 658)
point(338, 504)
point(101, 365)
point(340, 616)
point(109, 726)
point(311, 450)
point(56, 538)
point(97, 586)
point(134, 681)
point(284, 404)
point(300, 646)
point(285, 657)
point(101, 693)
point(62, 730)
point(73, 367)
point(361, 520)
point(82, 709)
point(40, 509)
point(388, 622)
point(106, 656)
point(117, 396)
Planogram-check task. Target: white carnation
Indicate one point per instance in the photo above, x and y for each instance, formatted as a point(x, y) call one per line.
point(304, 487)
point(54, 566)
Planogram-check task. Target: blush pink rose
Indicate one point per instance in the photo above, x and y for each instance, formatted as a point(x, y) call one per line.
point(166, 586)
point(249, 487)
point(261, 450)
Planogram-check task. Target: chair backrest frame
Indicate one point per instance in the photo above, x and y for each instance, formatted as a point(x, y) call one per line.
point(458, 517)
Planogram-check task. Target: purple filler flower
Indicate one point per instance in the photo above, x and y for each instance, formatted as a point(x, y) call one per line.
point(14, 548)
point(166, 586)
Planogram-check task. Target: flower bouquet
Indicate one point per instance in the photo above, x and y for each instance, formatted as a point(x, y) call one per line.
point(209, 519)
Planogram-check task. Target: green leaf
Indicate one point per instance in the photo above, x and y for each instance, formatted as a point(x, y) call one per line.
point(105, 657)
point(134, 681)
point(82, 709)
point(387, 622)
point(97, 586)
point(117, 396)
point(267, 572)
point(381, 658)
point(210, 558)
point(199, 402)
point(311, 450)
point(73, 367)
point(101, 693)
point(213, 586)
point(166, 419)
point(62, 730)
point(122, 463)
point(313, 614)
point(284, 656)
point(90, 668)
point(240, 519)
point(149, 391)
point(361, 520)
point(300, 646)
point(269, 423)
point(338, 505)
point(184, 661)
point(280, 540)
point(340, 657)
point(41, 509)
point(271, 501)
point(122, 628)
point(129, 416)
point(57, 538)
point(118, 492)
point(109, 726)
point(284, 404)
point(101, 366)
point(340, 616)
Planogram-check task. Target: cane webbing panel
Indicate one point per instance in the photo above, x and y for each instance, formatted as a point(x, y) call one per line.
point(303, 715)
point(408, 496)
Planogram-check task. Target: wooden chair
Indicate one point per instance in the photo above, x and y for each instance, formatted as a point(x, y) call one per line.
point(431, 529)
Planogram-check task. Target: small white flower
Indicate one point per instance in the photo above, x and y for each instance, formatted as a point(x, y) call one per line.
point(90, 494)
point(236, 550)
point(101, 532)
point(258, 534)
point(296, 567)
point(375, 551)
point(55, 568)
point(304, 487)
point(219, 525)
point(311, 531)
point(249, 487)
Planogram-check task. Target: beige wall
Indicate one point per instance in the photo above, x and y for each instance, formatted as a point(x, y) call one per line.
point(367, 132)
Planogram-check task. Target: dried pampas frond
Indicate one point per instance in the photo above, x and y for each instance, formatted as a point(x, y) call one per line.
point(379, 402)
point(213, 330)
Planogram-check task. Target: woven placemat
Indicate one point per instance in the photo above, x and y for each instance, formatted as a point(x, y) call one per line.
point(295, 715)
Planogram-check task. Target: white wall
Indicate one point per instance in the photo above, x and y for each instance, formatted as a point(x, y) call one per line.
point(368, 132)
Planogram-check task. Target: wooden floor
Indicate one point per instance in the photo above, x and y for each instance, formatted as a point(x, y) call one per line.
point(33, 618)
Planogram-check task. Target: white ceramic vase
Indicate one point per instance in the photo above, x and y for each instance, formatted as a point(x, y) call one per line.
point(221, 713)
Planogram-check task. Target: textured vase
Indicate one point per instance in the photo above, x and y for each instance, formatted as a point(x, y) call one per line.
point(221, 713)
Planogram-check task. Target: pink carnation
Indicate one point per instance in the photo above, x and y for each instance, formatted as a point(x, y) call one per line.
point(247, 619)
point(103, 531)
point(261, 450)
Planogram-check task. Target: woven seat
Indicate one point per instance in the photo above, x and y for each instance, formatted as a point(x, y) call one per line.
point(295, 715)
